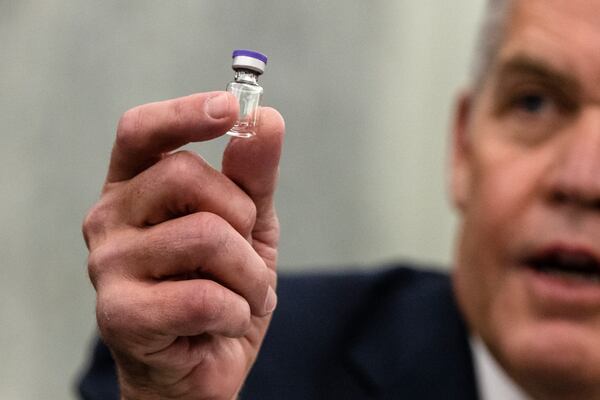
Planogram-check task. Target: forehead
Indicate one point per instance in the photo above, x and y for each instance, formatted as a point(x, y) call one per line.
point(562, 33)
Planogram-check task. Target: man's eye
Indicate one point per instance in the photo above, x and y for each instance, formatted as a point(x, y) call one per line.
point(532, 102)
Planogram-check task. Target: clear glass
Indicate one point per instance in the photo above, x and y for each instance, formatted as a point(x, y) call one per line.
point(249, 93)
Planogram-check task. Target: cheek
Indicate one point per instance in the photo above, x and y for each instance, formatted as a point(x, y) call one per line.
point(498, 201)
point(505, 185)
point(503, 198)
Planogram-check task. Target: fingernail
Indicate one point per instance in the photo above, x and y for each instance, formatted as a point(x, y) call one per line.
point(217, 106)
point(270, 301)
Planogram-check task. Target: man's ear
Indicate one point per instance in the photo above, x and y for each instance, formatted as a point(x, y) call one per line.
point(460, 172)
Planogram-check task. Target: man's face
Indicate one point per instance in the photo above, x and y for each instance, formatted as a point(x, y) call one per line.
point(526, 180)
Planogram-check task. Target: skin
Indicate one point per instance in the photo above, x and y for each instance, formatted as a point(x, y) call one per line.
point(183, 256)
point(526, 163)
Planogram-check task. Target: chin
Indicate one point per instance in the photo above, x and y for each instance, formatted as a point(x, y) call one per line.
point(550, 358)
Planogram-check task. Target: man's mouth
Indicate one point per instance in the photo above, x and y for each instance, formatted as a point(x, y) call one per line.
point(575, 265)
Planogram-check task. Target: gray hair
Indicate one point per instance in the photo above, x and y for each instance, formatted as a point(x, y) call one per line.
point(490, 38)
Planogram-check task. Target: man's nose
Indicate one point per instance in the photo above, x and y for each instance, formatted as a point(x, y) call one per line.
point(575, 179)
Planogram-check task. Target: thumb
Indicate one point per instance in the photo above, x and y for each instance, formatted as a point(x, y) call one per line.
point(253, 164)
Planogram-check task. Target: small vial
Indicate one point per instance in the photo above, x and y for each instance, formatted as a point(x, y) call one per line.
point(248, 65)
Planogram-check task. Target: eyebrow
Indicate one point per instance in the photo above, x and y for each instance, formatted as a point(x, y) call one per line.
point(527, 65)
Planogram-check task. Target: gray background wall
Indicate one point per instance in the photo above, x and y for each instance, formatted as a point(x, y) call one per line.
point(366, 88)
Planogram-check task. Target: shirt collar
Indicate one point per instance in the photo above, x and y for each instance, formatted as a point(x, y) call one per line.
point(492, 381)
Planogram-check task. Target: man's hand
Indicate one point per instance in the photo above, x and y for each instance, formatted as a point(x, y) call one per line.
point(183, 256)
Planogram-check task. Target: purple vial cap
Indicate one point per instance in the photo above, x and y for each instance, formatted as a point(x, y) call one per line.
point(250, 53)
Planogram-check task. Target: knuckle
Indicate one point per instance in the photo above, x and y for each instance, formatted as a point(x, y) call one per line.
point(121, 318)
point(208, 303)
point(248, 216)
point(183, 165)
point(214, 304)
point(212, 233)
point(94, 268)
point(102, 259)
point(94, 223)
point(130, 124)
point(110, 317)
point(211, 225)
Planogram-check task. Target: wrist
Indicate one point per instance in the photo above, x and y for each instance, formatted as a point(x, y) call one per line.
point(137, 389)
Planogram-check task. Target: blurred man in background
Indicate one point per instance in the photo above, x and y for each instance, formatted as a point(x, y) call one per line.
point(183, 256)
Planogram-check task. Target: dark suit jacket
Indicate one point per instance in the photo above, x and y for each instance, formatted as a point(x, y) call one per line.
point(393, 334)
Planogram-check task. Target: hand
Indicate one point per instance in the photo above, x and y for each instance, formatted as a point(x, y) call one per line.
point(183, 256)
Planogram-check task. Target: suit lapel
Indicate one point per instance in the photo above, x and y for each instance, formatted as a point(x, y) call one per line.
point(414, 344)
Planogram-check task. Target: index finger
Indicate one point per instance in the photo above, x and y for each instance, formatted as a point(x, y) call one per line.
point(147, 132)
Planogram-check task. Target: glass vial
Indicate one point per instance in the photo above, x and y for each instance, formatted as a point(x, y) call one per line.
point(248, 66)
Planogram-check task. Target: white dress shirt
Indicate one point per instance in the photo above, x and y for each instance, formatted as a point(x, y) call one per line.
point(493, 383)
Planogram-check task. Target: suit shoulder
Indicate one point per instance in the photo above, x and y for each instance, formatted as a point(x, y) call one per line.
point(349, 288)
point(321, 315)
point(320, 308)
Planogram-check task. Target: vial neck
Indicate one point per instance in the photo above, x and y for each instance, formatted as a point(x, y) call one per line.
point(246, 76)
